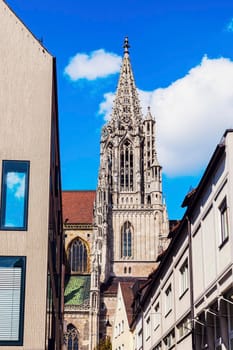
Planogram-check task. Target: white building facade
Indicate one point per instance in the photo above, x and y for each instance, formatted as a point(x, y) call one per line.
point(188, 303)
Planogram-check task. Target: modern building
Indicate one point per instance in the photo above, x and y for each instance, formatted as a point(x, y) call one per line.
point(31, 237)
point(187, 303)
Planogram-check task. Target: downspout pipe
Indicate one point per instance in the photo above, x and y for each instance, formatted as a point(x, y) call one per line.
point(191, 282)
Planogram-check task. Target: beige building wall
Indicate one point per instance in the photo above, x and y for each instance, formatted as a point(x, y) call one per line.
point(26, 73)
point(121, 336)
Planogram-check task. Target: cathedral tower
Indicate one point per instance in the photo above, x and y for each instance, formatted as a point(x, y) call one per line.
point(131, 222)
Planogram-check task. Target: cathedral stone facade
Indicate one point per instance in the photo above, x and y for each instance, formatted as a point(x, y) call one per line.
point(130, 224)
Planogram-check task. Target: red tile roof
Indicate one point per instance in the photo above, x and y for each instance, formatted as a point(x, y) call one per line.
point(78, 206)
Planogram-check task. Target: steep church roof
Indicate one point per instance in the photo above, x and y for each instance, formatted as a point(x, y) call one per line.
point(128, 296)
point(78, 206)
point(77, 290)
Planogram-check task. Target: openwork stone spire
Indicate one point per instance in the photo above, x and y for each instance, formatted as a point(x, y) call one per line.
point(126, 108)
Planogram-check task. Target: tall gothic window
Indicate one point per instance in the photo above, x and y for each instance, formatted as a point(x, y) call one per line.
point(126, 240)
point(126, 166)
point(71, 338)
point(110, 150)
point(78, 256)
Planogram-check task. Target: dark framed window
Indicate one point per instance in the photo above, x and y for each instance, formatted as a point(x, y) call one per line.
point(12, 291)
point(78, 256)
point(224, 221)
point(14, 195)
point(126, 240)
point(126, 166)
point(168, 299)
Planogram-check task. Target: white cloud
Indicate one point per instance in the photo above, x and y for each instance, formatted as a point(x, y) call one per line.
point(192, 114)
point(230, 26)
point(105, 106)
point(16, 183)
point(98, 64)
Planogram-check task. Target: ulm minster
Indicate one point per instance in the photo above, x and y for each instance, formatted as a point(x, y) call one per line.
point(104, 268)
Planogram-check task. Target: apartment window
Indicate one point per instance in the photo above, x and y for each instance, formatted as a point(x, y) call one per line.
point(184, 277)
point(184, 327)
point(224, 221)
point(14, 197)
point(139, 340)
point(148, 326)
point(157, 316)
point(168, 299)
point(169, 340)
point(12, 286)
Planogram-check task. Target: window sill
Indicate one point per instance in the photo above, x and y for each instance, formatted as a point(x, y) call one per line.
point(183, 337)
point(223, 243)
point(168, 313)
point(183, 293)
point(12, 228)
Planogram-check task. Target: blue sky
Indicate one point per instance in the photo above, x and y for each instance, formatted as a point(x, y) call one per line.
point(182, 58)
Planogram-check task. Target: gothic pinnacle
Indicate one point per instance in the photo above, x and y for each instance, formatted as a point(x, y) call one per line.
point(126, 45)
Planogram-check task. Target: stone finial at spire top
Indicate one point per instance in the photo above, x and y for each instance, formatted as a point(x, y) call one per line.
point(126, 45)
point(148, 115)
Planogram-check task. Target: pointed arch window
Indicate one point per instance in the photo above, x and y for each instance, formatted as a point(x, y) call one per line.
point(126, 166)
point(126, 240)
point(110, 151)
point(78, 256)
point(71, 338)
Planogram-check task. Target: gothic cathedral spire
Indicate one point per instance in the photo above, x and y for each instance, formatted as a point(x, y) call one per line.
point(126, 111)
point(130, 216)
